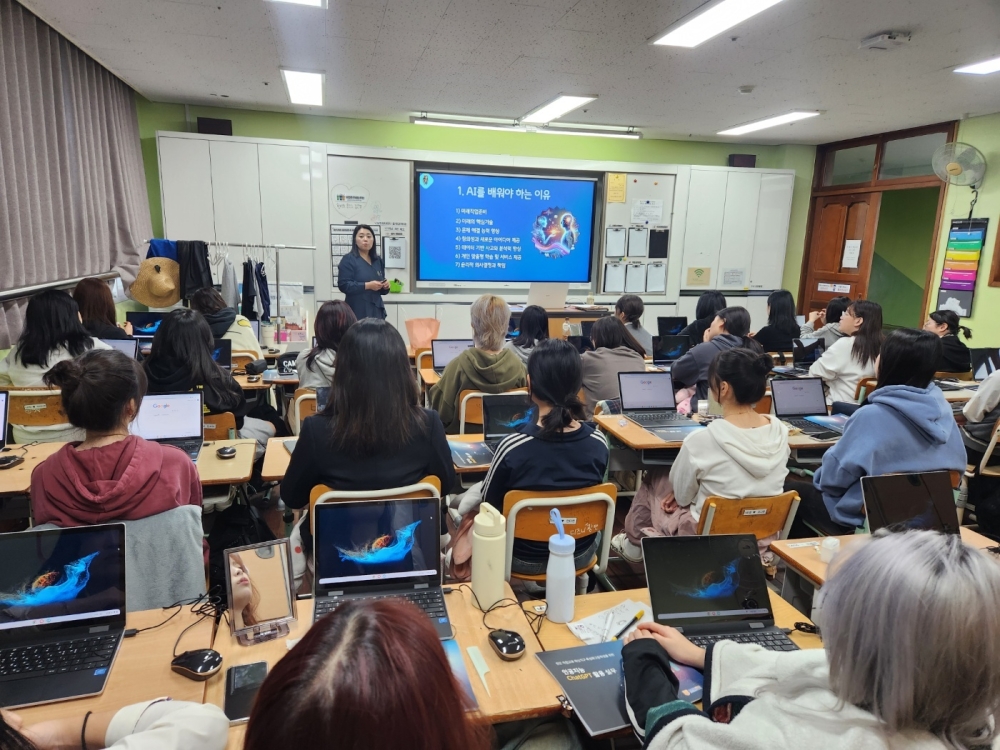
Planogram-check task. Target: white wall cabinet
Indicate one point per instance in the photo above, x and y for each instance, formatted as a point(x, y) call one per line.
point(285, 195)
point(236, 192)
point(771, 237)
point(186, 189)
point(703, 237)
point(739, 222)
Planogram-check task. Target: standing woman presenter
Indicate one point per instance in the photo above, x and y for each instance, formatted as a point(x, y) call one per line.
point(362, 275)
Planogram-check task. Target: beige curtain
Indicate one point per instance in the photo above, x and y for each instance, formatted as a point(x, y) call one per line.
point(72, 190)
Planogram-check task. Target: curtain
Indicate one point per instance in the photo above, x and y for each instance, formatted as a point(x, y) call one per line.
point(72, 189)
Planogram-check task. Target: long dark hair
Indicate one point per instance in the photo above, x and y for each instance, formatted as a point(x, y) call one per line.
point(950, 318)
point(11, 739)
point(332, 321)
point(868, 340)
point(373, 253)
point(533, 327)
point(52, 320)
point(909, 357)
point(96, 387)
point(610, 333)
point(746, 372)
point(781, 312)
point(709, 303)
point(835, 308)
point(94, 299)
point(184, 339)
point(374, 398)
point(555, 376)
point(736, 321)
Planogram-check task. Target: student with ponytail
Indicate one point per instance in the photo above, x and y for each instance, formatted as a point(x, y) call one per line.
point(955, 356)
point(560, 452)
point(730, 329)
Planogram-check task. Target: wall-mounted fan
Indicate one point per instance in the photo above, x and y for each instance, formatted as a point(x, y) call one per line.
point(961, 164)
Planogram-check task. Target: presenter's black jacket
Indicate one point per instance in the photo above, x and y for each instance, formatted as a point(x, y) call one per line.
point(352, 275)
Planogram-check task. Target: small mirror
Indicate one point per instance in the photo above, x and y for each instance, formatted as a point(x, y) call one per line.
point(259, 587)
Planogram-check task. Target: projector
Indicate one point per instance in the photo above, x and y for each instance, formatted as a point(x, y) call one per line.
point(886, 40)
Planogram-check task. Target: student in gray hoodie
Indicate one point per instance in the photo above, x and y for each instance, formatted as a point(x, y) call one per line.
point(315, 366)
point(728, 331)
point(825, 324)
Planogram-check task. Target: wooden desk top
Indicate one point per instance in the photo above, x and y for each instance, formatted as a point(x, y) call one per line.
point(262, 384)
point(958, 397)
point(553, 636)
point(519, 690)
point(805, 559)
point(17, 480)
point(429, 377)
point(142, 670)
point(639, 438)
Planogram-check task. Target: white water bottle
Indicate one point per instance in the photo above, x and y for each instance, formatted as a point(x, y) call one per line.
point(489, 550)
point(560, 574)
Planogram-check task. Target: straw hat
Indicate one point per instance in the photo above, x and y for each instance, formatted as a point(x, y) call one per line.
point(158, 283)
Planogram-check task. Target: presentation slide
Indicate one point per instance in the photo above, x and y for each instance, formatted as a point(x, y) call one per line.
point(484, 228)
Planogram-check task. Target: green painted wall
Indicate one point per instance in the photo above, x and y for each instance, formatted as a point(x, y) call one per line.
point(255, 124)
point(903, 244)
point(984, 134)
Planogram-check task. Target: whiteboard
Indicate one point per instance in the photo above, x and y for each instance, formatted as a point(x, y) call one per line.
point(642, 187)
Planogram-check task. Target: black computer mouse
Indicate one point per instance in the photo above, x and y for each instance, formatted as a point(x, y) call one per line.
point(226, 451)
point(9, 462)
point(507, 644)
point(197, 665)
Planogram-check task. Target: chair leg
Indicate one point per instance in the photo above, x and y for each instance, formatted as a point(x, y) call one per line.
point(603, 582)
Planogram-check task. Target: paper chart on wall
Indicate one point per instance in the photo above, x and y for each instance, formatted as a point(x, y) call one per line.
point(614, 243)
point(656, 278)
point(616, 187)
point(614, 278)
point(852, 253)
point(635, 278)
point(638, 242)
point(647, 211)
point(394, 249)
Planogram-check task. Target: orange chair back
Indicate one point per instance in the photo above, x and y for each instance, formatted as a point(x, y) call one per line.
point(317, 493)
point(760, 516)
point(35, 407)
point(220, 426)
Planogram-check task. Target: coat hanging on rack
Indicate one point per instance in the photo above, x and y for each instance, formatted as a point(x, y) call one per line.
point(230, 285)
point(263, 293)
point(249, 294)
point(196, 273)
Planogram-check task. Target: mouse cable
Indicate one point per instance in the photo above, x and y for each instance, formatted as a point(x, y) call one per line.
point(199, 605)
point(534, 619)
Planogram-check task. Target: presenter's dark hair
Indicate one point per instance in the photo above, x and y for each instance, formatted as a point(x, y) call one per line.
point(332, 321)
point(610, 333)
point(97, 387)
point(746, 372)
point(781, 312)
point(950, 318)
point(555, 376)
point(207, 300)
point(94, 299)
point(52, 320)
point(533, 327)
point(709, 304)
point(909, 357)
point(374, 401)
point(373, 253)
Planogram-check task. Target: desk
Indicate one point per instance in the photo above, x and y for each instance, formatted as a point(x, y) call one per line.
point(428, 377)
point(958, 397)
point(142, 670)
point(17, 481)
point(262, 384)
point(520, 689)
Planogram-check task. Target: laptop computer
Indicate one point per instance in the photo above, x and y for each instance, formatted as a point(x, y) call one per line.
point(804, 353)
point(505, 414)
point(173, 419)
point(900, 502)
point(222, 353)
point(712, 588)
point(255, 327)
point(4, 406)
point(648, 400)
point(144, 324)
point(62, 613)
point(669, 349)
point(548, 295)
point(444, 351)
point(374, 549)
point(672, 325)
point(801, 403)
point(985, 362)
point(128, 347)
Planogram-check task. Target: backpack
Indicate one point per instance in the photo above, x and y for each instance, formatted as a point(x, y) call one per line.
point(236, 526)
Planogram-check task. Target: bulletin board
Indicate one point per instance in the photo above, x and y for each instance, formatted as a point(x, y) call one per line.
point(635, 244)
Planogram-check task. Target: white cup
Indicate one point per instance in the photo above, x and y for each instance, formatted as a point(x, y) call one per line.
point(828, 547)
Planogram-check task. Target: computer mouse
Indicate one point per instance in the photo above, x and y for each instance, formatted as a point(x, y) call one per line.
point(226, 451)
point(507, 644)
point(253, 378)
point(9, 462)
point(197, 665)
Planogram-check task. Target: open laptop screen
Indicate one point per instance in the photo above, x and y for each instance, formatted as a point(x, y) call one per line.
point(506, 414)
point(3, 418)
point(670, 348)
point(144, 324)
point(222, 353)
point(799, 397)
point(901, 502)
point(62, 578)
point(372, 542)
point(646, 390)
point(445, 350)
point(705, 579)
point(671, 326)
point(169, 416)
point(807, 351)
point(128, 347)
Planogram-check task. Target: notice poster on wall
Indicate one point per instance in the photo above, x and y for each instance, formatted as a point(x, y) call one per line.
point(961, 265)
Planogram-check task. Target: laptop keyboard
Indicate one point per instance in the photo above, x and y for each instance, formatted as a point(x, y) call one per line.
point(805, 425)
point(648, 417)
point(94, 652)
point(430, 601)
point(191, 447)
point(771, 640)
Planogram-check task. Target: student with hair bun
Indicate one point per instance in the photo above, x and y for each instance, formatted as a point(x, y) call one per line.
point(955, 356)
point(110, 475)
point(730, 329)
point(628, 310)
point(741, 455)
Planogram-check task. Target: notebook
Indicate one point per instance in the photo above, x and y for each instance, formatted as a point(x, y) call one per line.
point(648, 400)
point(222, 353)
point(373, 549)
point(62, 612)
point(128, 347)
point(172, 419)
point(144, 324)
point(799, 402)
point(712, 588)
point(444, 351)
point(900, 502)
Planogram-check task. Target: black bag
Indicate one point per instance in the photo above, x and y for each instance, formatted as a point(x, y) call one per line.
point(984, 496)
point(236, 526)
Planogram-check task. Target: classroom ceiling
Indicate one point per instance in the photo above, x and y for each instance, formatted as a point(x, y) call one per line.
point(388, 59)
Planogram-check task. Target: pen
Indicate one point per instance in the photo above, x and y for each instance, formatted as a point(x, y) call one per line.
point(607, 627)
point(633, 621)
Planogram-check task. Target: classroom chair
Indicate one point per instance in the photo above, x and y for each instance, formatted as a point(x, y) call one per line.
point(585, 511)
point(864, 389)
point(243, 357)
point(303, 405)
point(764, 405)
point(954, 375)
point(429, 486)
point(984, 468)
point(35, 407)
point(471, 409)
point(220, 426)
point(760, 516)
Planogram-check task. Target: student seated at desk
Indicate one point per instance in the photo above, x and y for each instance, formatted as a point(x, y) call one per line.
point(955, 356)
point(111, 475)
point(629, 309)
point(744, 454)
point(981, 413)
point(373, 434)
point(728, 331)
point(852, 358)
point(370, 675)
point(781, 327)
point(825, 324)
point(909, 662)
point(531, 328)
point(225, 322)
point(709, 303)
point(315, 365)
point(486, 366)
point(615, 350)
point(560, 452)
point(905, 426)
point(52, 333)
point(97, 310)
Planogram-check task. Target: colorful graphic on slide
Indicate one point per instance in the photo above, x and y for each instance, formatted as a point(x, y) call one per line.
point(385, 549)
point(555, 232)
point(520, 419)
point(51, 588)
point(710, 587)
point(151, 328)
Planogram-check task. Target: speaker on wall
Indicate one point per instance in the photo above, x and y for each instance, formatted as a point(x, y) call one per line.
point(735, 160)
point(214, 126)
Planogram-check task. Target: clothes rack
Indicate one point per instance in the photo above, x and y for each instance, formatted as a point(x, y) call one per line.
point(277, 248)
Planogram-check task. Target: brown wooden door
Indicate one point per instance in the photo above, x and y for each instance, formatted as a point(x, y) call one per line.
point(837, 219)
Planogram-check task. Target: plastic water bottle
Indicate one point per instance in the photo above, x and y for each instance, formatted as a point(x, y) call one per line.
point(489, 549)
point(560, 574)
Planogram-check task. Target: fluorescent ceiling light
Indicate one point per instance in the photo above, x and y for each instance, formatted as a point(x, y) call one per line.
point(458, 124)
point(982, 68)
point(770, 122)
point(304, 88)
point(632, 136)
point(311, 3)
point(702, 25)
point(555, 109)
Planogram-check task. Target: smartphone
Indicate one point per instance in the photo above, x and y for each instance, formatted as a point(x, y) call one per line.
point(242, 683)
point(829, 435)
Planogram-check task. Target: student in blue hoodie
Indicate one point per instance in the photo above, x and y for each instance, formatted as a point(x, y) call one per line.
point(906, 426)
